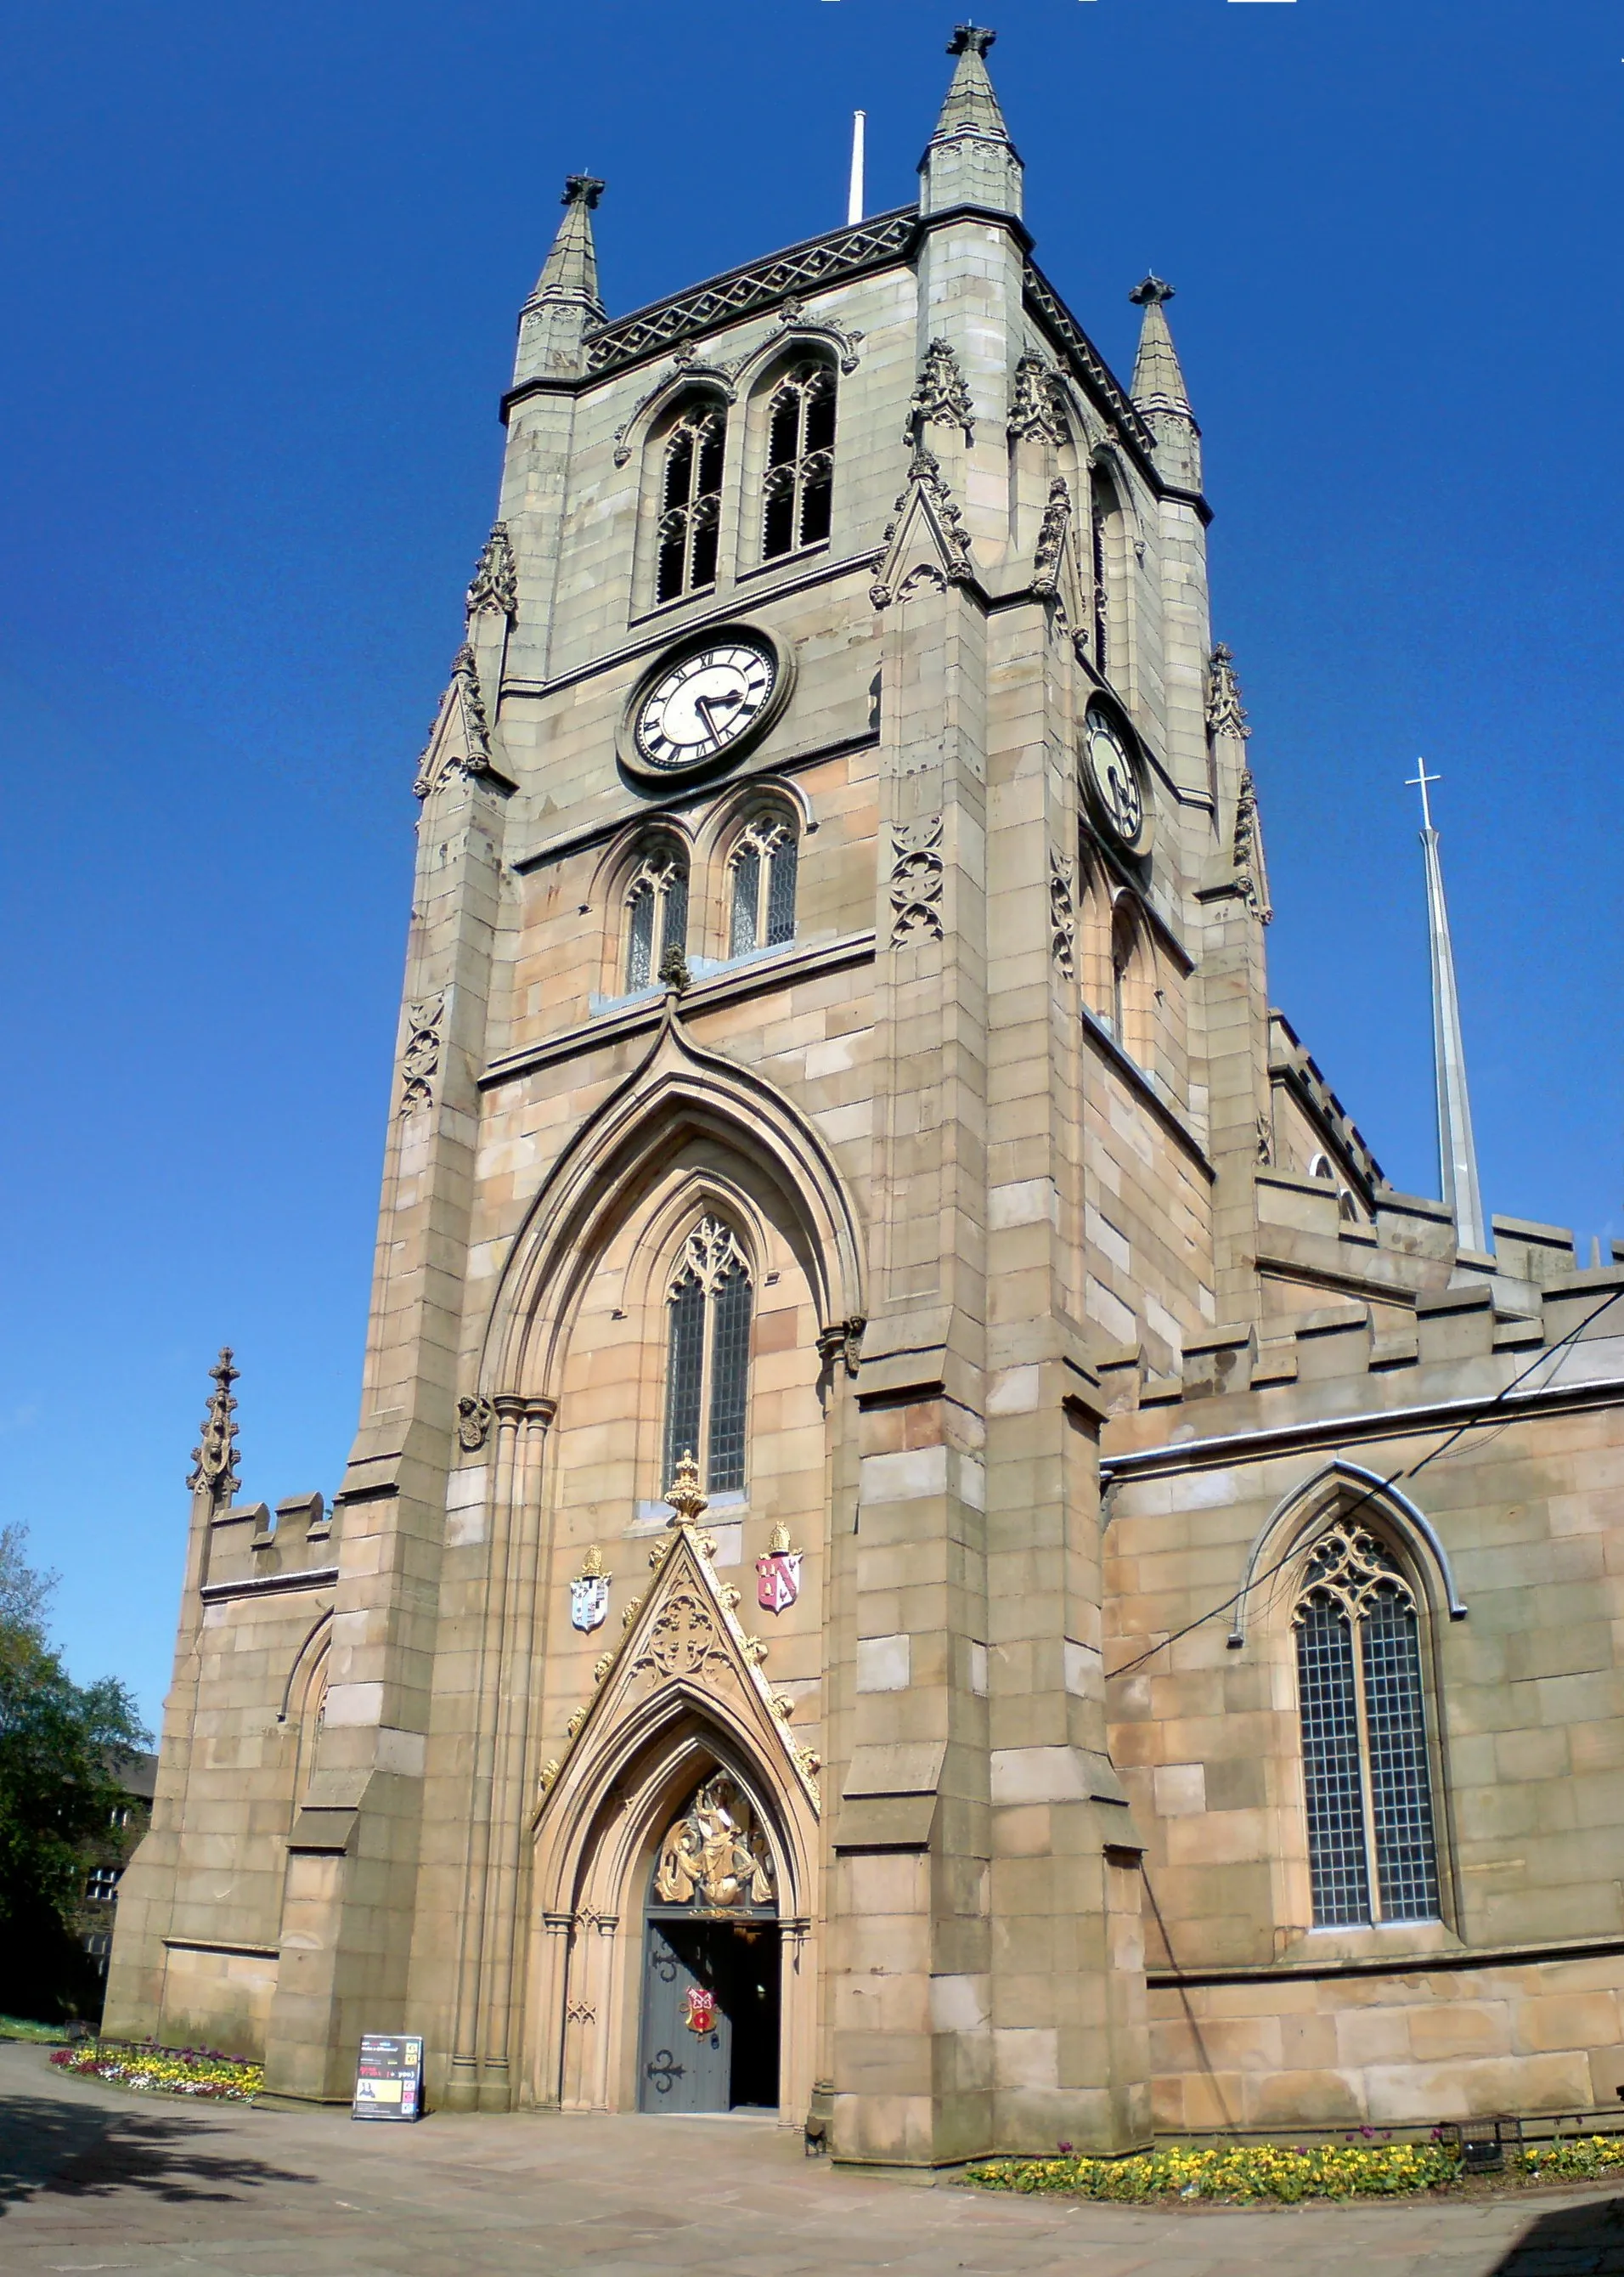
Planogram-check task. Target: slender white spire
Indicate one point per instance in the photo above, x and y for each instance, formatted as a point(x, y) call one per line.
point(854, 194)
point(1457, 1156)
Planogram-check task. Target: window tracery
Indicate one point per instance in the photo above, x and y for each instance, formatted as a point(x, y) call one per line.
point(1367, 1773)
point(656, 922)
point(691, 501)
point(798, 493)
point(762, 897)
point(708, 1357)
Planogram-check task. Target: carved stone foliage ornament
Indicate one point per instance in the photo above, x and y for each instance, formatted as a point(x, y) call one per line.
point(928, 494)
point(1225, 713)
point(917, 871)
point(941, 396)
point(1051, 538)
point(420, 1062)
point(474, 1417)
point(1062, 915)
point(778, 1574)
point(715, 1856)
point(215, 1457)
point(1250, 868)
point(1034, 415)
point(589, 1593)
point(495, 577)
point(466, 705)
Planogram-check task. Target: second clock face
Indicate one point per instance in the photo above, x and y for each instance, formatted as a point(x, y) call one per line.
point(704, 704)
point(1113, 780)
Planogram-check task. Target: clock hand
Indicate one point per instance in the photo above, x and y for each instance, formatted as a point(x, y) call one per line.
point(702, 704)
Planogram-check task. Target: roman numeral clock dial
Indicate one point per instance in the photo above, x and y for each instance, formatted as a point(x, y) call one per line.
point(704, 704)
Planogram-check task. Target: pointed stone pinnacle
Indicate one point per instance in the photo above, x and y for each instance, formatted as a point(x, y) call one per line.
point(971, 106)
point(570, 272)
point(1158, 382)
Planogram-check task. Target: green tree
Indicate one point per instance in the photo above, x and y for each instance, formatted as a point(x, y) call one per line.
point(59, 1742)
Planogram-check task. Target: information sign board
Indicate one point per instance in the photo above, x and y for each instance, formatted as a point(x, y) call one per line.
point(389, 2078)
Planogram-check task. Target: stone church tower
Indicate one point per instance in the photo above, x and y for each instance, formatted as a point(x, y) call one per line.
point(862, 1275)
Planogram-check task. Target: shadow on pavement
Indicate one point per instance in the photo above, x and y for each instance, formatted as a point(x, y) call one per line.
point(85, 2150)
point(1570, 2239)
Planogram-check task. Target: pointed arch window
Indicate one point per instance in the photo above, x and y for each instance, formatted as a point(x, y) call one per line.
point(691, 501)
point(762, 897)
point(708, 1360)
point(1366, 1762)
point(799, 490)
point(656, 914)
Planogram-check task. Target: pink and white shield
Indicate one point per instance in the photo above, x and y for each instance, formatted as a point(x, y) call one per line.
point(778, 1579)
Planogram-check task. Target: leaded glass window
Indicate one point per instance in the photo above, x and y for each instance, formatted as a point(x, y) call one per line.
point(656, 915)
point(691, 502)
point(707, 1365)
point(799, 491)
point(761, 911)
point(1366, 1770)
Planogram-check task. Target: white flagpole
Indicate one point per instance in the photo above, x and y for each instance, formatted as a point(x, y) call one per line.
point(853, 203)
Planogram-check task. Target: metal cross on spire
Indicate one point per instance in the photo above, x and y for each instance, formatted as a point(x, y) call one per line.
point(1457, 1154)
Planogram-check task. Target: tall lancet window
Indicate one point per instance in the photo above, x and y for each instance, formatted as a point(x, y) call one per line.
point(801, 461)
point(708, 1358)
point(656, 914)
point(761, 902)
point(1367, 1776)
point(691, 502)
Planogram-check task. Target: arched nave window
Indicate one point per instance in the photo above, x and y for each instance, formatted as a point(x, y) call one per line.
point(657, 913)
point(799, 489)
point(1366, 1767)
point(762, 885)
point(690, 501)
point(708, 1363)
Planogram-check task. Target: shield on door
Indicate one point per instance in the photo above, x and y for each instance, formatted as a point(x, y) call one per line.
point(778, 1579)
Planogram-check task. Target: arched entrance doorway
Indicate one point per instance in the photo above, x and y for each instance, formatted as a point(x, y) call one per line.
point(710, 2027)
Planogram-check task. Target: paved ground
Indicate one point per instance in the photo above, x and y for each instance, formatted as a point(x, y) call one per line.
point(93, 2180)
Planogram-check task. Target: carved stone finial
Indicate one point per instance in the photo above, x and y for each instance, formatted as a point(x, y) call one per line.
point(1154, 288)
point(941, 394)
point(214, 1459)
point(581, 190)
point(684, 1494)
point(972, 38)
point(1226, 712)
point(496, 576)
point(674, 971)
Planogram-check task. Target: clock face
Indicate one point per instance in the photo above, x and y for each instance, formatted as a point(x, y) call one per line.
point(704, 704)
point(1113, 780)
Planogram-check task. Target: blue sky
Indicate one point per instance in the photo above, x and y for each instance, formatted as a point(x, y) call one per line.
point(260, 270)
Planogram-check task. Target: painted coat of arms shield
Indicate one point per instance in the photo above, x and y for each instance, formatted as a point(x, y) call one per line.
point(778, 1579)
point(589, 1594)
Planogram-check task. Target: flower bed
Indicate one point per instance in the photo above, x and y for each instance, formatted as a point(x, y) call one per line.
point(1239, 2172)
point(165, 2071)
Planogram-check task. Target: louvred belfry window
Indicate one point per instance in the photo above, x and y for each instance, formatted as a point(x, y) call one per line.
point(656, 915)
point(762, 913)
point(691, 502)
point(708, 1358)
point(801, 461)
point(1367, 1776)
